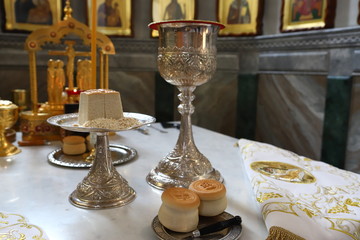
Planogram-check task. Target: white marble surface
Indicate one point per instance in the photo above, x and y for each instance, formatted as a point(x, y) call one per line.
point(30, 186)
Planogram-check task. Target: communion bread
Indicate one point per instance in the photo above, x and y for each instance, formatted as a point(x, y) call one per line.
point(99, 104)
point(74, 145)
point(212, 196)
point(179, 209)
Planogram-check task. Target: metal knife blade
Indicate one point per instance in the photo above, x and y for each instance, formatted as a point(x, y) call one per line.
point(216, 227)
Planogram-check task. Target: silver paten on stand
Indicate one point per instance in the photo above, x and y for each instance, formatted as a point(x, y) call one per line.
point(103, 187)
point(186, 59)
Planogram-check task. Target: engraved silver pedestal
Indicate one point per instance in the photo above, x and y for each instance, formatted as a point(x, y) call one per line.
point(186, 59)
point(103, 187)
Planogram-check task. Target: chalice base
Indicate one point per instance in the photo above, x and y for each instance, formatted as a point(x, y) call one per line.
point(181, 172)
point(115, 192)
point(8, 149)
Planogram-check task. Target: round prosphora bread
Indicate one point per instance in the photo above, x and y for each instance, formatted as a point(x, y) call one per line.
point(179, 209)
point(212, 196)
point(73, 145)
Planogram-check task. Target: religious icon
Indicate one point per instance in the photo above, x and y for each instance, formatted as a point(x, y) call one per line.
point(71, 54)
point(51, 81)
point(83, 76)
point(108, 14)
point(55, 82)
point(307, 14)
point(239, 12)
point(240, 17)
point(31, 14)
point(113, 17)
point(306, 10)
point(59, 81)
point(172, 10)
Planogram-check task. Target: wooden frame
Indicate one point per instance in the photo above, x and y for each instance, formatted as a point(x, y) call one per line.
point(171, 10)
point(358, 18)
point(300, 15)
point(114, 19)
point(240, 17)
point(29, 16)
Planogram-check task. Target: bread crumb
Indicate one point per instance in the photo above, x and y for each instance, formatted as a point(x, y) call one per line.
point(115, 124)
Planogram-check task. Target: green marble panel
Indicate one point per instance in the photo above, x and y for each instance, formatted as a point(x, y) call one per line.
point(164, 99)
point(337, 111)
point(137, 90)
point(246, 106)
point(215, 103)
point(353, 143)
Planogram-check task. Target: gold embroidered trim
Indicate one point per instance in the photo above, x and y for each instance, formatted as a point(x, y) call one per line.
point(20, 224)
point(347, 226)
point(279, 233)
point(263, 196)
point(283, 171)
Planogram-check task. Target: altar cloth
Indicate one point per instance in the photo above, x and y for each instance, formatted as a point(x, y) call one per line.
point(302, 198)
point(15, 226)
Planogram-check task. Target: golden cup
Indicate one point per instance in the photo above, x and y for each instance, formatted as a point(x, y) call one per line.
point(8, 117)
point(19, 97)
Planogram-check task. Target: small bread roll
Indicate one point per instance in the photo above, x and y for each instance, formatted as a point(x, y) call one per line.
point(179, 209)
point(212, 196)
point(74, 145)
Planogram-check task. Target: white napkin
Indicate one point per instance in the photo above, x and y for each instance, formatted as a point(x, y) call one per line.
point(15, 226)
point(328, 208)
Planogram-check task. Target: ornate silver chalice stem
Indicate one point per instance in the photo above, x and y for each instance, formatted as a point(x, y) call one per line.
point(186, 59)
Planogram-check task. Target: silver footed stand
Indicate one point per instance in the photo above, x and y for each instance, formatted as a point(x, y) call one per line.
point(103, 187)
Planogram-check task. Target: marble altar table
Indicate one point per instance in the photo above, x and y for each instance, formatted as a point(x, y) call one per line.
point(39, 191)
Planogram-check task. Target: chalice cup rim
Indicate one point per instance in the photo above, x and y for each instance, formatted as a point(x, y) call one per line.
point(155, 25)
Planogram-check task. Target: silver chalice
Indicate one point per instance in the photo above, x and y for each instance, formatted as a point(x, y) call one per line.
point(186, 59)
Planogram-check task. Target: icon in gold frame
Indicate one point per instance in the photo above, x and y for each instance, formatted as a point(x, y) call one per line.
point(163, 10)
point(28, 15)
point(240, 17)
point(114, 17)
point(300, 15)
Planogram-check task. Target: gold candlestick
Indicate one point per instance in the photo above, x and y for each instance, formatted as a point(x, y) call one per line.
point(8, 117)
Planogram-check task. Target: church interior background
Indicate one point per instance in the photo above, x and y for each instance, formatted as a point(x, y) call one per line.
point(297, 90)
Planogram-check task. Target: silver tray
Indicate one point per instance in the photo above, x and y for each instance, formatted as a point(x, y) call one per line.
point(70, 122)
point(119, 154)
point(230, 233)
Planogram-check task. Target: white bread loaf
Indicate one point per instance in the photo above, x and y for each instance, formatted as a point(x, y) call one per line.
point(212, 196)
point(99, 103)
point(179, 209)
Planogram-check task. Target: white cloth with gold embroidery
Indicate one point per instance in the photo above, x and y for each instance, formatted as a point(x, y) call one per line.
point(15, 226)
point(328, 208)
